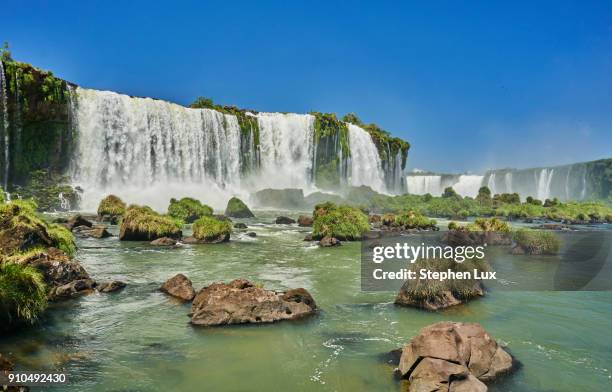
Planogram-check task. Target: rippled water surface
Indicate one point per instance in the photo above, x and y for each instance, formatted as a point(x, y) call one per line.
point(140, 340)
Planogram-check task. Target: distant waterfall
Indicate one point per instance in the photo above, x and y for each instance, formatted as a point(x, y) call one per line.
point(365, 165)
point(4, 127)
point(464, 184)
point(568, 182)
point(149, 150)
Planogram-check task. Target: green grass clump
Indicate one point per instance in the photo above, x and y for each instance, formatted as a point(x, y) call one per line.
point(420, 291)
point(19, 218)
point(343, 222)
point(111, 206)
point(208, 228)
point(537, 242)
point(22, 294)
point(142, 219)
point(489, 225)
point(414, 220)
point(188, 209)
point(237, 209)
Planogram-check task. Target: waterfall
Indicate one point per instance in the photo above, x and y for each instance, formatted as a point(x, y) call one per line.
point(149, 151)
point(544, 181)
point(144, 147)
point(64, 203)
point(4, 125)
point(287, 150)
point(508, 182)
point(422, 184)
point(468, 185)
point(365, 165)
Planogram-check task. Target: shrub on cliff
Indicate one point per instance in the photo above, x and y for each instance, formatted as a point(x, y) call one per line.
point(237, 209)
point(21, 229)
point(23, 294)
point(188, 209)
point(143, 224)
point(536, 242)
point(342, 222)
point(210, 229)
point(111, 208)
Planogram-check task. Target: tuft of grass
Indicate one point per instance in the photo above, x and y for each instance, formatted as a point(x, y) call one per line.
point(488, 225)
point(537, 242)
point(422, 290)
point(20, 216)
point(143, 219)
point(209, 228)
point(188, 209)
point(343, 222)
point(111, 206)
point(22, 293)
point(414, 220)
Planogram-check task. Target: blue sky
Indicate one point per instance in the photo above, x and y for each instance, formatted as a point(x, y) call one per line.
point(471, 85)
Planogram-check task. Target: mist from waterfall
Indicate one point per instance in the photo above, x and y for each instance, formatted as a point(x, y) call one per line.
point(365, 165)
point(147, 151)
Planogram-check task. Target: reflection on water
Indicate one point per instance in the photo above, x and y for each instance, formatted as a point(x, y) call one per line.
point(140, 340)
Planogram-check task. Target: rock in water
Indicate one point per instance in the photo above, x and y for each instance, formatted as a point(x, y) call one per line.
point(164, 241)
point(284, 220)
point(240, 302)
point(329, 241)
point(91, 232)
point(77, 221)
point(111, 286)
point(251, 234)
point(450, 356)
point(179, 286)
point(73, 289)
point(305, 221)
point(237, 209)
point(240, 225)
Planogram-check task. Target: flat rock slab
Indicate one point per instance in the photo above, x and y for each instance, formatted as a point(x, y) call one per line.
point(241, 302)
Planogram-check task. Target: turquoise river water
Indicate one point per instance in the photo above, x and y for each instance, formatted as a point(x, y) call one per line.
point(140, 340)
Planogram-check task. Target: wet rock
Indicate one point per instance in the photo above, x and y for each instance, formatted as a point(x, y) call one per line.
point(308, 237)
point(439, 300)
point(475, 238)
point(251, 234)
point(237, 209)
point(328, 241)
point(179, 286)
point(450, 356)
point(305, 221)
point(56, 267)
point(76, 221)
point(73, 289)
point(111, 286)
point(240, 302)
point(284, 220)
point(7, 366)
point(91, 232)
point(164, 241)
point(240, 225)
point(190, 240)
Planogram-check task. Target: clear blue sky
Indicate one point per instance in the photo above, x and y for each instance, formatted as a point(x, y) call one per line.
point(471, 85)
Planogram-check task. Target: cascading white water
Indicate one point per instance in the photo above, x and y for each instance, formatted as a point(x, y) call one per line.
point(491, 184)
point(365, 165)
point(420, 185)
point(544, 181)
point(64, 203)
point(150, 150)
point(4, 124)
point(468, 185)
point(286, 143)
point(508, 182)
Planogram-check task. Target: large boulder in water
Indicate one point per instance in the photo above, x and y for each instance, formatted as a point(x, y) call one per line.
point(451, 356)
point(284, 220)
point(237, 209)
point(144, 224)
point(305, 221)
point(240, 302)
point(179, 286)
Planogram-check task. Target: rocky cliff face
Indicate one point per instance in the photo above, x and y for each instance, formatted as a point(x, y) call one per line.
point(36, 129)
